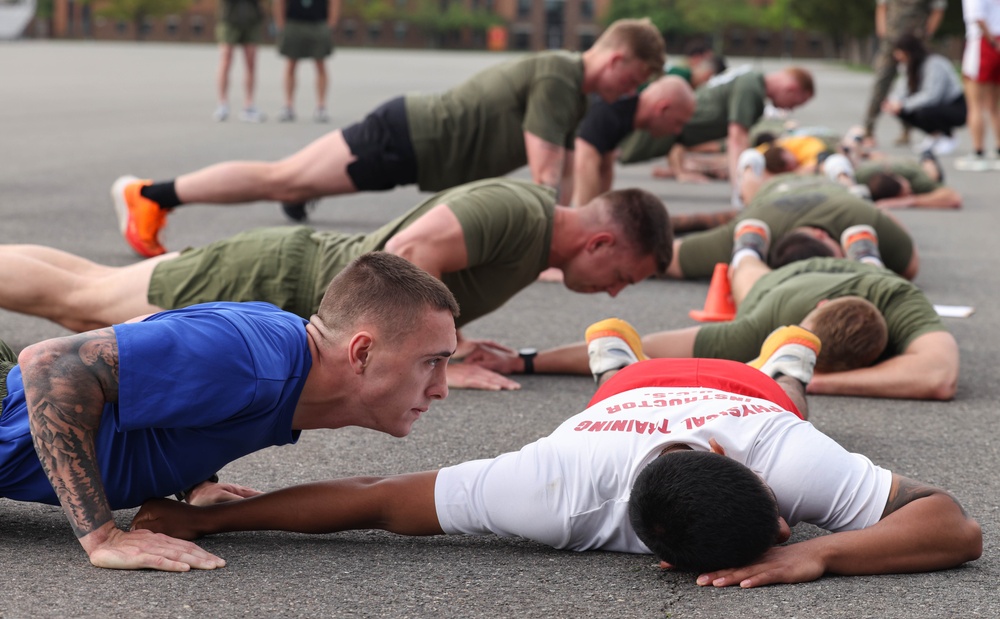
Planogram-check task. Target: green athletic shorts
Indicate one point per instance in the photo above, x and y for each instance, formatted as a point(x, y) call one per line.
point(235, 35)
point(305, 39)
point(276, 265)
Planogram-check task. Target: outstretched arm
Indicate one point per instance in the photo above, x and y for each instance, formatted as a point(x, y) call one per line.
point(922, 529)
point(67, 382)
point(401, 504)
point(927, 370)
point(942, 197)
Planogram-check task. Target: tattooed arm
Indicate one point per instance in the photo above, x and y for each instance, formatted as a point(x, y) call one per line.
point(67, 382)
point(922, 529)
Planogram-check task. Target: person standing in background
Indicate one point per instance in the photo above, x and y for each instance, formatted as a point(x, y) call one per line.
point(893, 19)
point(241, 23)
point(981, 73)
point(305, 31)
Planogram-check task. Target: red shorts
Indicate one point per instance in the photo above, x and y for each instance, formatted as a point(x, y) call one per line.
point(721, 374)
point(980, 62)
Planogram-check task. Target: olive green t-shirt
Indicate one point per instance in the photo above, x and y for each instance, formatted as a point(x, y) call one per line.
point(786, 295)
point(476, 130)
point(790, 201)
point(507, 225)
point(736, 96)
point(911, 170)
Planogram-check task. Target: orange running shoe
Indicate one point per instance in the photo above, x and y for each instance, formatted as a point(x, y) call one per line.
point(139, 219)
point(789, 351)
point(612, 344)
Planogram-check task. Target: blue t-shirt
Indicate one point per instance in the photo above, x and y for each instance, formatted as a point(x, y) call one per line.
point(199, 387)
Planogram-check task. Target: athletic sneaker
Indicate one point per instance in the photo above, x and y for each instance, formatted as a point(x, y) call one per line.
point(321, 115)
point(860, 243)
point(286, 115)
point(925, 144)
point(789, 351)
point(221, 113)
point(611, 345)
point(139, 219)
point(298, 211)
point(972, 163)
point(752, 234)
point(944, 146)
point(252, 115)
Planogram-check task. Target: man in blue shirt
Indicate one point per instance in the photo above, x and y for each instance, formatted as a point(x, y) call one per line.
point(154, 407)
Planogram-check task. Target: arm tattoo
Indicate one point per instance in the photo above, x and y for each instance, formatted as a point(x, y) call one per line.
point(906, 490)
point(67, 383)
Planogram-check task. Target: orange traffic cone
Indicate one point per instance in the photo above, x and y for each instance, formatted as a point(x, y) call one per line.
point(719, 305)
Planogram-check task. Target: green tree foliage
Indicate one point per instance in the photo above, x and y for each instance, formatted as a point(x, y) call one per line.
point(430, 16)
point(370, 10)
point(839, 20)
point(136, 11)
point(666, 14)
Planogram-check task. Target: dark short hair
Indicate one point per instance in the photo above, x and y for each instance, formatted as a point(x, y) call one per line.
point(764, 137)
point(697, 47)
point(796, 246)
point(853, 331)
point(644, 223)
point(718, 64)
point(884, 185)
point(701, 511)
point(774, 160)
point(385, 289)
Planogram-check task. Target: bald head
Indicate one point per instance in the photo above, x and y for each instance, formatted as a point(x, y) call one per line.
point(665, 106)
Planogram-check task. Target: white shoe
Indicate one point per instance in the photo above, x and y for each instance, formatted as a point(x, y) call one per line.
point(926, 144)
point(611, 345)
point(945, 145)
point(788, 351)
point(972, 163)
point(252, 115)
point(221, 113)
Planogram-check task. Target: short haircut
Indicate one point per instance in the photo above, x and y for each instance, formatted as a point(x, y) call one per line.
point(796, 246)
point(884, 185)
point(697, 47)
point(853, 331)
point(386, 290)
point(774, 160)
point(643, 221)
point(803, 78)
point(718, 64)
point(764, 137)
point(640, 37)
point(701, 511)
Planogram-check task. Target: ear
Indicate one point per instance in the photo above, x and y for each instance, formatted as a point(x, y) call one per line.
point(600, 240)
point(359, 351)
point(822, 302)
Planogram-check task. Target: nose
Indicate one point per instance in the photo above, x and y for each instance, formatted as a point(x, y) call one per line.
point(614, 290)
point(438, 389)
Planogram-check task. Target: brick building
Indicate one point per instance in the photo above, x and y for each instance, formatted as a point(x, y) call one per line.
point(524, 24)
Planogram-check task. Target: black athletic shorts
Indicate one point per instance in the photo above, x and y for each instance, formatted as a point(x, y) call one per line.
point(381, 143)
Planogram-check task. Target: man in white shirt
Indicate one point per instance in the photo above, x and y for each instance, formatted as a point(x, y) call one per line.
point(717, 448)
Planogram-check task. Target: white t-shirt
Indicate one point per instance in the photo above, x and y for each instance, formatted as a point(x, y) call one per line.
point(571, 489)
point(975, 10)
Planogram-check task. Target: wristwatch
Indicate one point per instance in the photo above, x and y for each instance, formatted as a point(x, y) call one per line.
point(528, 356)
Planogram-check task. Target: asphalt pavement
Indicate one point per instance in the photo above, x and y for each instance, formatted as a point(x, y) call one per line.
point(75, 115)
